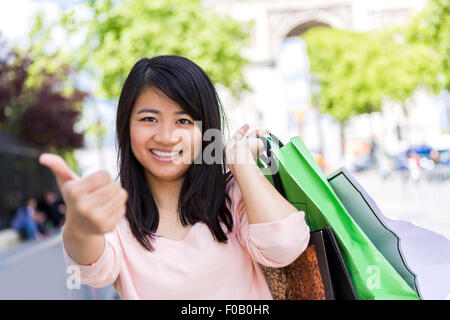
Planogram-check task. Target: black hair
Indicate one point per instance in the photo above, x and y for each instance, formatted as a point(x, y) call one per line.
point(203, 193)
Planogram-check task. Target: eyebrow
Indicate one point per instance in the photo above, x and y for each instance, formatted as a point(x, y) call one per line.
point(158, 112)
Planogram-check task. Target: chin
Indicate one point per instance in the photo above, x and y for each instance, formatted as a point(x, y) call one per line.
point(166, 174)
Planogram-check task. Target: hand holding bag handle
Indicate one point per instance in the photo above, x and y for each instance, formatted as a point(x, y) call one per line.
point(320, 271)
point(269, 160)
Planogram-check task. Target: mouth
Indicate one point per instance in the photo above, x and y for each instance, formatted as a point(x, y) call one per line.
point(165, 156)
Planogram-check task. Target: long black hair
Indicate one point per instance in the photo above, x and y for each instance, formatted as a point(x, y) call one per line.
point(203, 193)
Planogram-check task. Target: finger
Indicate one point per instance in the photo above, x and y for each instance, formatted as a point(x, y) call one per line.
point(104, 194)
point(257, 133)
point(58, 166)
point(261, 132)
point(117, 214)
point(261, 147)
point(241, 132)
point(92, 182)
point(252, 134)
point(119, 209)
point(112, 208)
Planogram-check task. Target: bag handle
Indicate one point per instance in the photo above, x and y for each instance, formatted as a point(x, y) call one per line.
point(269, 160)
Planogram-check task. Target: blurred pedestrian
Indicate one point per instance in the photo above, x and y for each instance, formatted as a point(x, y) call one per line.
point(435, 156)
point(28, 221)
point(384, 165)
point(53, 208)
point(373, 150)
point(414, 167)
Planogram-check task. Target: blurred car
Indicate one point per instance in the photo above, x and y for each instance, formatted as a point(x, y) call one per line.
point(444, 157)
point(422, 150)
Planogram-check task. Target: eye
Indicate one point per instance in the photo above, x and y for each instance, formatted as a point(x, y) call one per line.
point(184, 121)
point(148, 119)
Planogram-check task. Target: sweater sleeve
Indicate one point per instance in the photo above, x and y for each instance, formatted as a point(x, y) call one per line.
point(272, 244)
point(105, 270)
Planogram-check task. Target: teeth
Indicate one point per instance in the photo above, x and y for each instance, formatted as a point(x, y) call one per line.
point(165, 154)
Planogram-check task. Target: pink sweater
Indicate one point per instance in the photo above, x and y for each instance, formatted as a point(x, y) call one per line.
point(199, 267)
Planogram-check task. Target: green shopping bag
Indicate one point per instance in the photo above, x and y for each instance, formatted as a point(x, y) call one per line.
point(308, 190)
point(365, 212)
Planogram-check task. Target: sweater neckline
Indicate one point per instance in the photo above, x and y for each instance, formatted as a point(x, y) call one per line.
point(177, 243)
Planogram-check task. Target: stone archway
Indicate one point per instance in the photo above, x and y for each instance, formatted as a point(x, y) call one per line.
point(291, 23)
point(303, 27)
point(304, 118)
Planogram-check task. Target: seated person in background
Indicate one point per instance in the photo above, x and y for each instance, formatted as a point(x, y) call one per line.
point(435, 156)
point(61, 206)
point(52, 208)
point(28, 221)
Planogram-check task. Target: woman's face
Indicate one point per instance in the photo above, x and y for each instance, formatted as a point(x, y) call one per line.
point(163, 136)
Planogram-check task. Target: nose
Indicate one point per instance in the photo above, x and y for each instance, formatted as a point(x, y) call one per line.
point(165, 135)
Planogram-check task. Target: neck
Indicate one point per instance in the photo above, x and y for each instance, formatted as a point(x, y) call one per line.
point(166, 195)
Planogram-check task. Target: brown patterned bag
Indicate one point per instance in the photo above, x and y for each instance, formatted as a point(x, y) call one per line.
point(309, 277)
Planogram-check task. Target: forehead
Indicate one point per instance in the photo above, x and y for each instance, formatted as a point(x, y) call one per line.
point(154, 99)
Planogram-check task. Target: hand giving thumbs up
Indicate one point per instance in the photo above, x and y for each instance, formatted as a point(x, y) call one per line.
point(95, 203)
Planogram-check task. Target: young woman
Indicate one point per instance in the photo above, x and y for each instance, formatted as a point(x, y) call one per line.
point(178, 226)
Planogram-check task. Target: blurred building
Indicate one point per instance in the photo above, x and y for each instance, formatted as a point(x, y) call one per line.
point(278, 75)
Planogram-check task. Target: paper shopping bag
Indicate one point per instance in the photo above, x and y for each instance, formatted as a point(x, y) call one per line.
point(367, 215)
point(307, 189)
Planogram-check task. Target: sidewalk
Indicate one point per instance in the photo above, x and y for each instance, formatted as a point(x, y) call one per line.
point(36, 270)
point(424, 204)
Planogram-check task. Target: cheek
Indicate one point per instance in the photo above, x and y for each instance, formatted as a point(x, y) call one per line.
point(196, 141)
point(191, 141)
point(138, 140)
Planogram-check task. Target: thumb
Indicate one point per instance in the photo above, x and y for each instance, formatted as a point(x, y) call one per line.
point(58, 166)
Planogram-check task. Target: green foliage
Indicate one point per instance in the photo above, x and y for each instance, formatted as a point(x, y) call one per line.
point(336, 60)
point(47, 57)
point(431, 28)
point(69, 157)
point(341, 61)
point(358, 71)
point(118, 33)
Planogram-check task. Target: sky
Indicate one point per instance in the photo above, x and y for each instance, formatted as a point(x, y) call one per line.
point(16, 16)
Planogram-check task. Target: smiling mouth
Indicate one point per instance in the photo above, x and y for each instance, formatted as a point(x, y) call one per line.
point(166, 155)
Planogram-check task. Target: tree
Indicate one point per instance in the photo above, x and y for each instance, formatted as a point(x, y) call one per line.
point(12, 79)
point(41, 113)
point(339, 59)
point(432, 29)
point(118, 33)
point(358, 71)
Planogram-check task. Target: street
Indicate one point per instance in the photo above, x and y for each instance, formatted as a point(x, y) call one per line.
point(424, 204)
